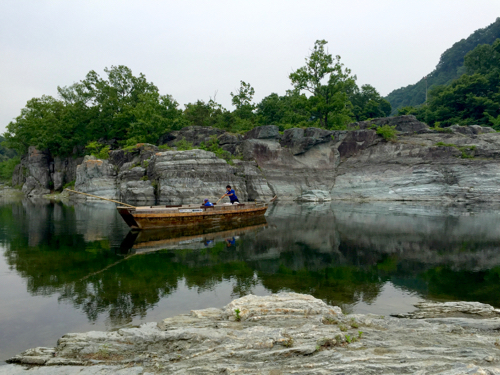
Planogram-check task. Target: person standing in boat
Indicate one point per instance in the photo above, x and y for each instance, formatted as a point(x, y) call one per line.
point(231, 194)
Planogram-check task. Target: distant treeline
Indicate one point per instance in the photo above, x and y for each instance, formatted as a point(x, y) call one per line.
point(473, 98)
point(450, 67)
point(129, 110)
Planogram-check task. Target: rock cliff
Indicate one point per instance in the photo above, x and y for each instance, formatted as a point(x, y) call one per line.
point(422, 164)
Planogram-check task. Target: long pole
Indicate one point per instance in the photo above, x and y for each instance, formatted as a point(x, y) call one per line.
point(104, 199)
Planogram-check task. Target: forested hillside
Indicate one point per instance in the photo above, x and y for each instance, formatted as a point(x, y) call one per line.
point(122, 109)
point(450, 67)
point(473, 98)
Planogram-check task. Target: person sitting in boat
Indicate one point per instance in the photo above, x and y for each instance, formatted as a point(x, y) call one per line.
point(207, 203)
point(231, 194)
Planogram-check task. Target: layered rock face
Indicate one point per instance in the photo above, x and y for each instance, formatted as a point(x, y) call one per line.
point(189, 176)
point(310, 164)
point(283, 334)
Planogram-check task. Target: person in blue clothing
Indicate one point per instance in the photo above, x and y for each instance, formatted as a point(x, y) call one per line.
point(207, 203)
point(231, 194)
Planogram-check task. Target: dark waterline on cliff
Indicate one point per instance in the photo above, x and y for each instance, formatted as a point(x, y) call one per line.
point(77, 268)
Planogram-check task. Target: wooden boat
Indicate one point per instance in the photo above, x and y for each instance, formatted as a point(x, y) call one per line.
point(188, 215)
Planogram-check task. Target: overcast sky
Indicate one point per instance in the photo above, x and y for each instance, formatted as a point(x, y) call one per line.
point(194, 49)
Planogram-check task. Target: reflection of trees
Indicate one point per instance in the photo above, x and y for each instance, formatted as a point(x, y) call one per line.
point(342, 258)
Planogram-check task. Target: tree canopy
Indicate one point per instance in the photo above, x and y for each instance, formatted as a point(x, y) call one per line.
point(473, 98)
point(125, 109)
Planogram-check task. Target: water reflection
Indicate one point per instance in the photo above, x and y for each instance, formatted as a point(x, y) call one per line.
point(345, 254)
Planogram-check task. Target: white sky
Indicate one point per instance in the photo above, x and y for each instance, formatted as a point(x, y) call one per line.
point(192, 49)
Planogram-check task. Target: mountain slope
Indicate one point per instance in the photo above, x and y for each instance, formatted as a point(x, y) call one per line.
point(450, 67)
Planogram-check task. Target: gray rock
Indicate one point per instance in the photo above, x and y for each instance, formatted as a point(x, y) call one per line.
point(406, 124)
point(451, 309)
point(64, 170)
point(194, 135)
point(97, 177)
point(300, 141)
point(263, 132)
point(315, 196)
point(280, 333)
point(189, 176)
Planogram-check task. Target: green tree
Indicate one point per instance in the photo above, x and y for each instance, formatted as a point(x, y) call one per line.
point(329, 82)
point(242, 100)
point(292, 109)
point(367, 103)
point(154, 115)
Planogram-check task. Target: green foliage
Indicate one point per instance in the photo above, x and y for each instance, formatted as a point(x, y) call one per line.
point(98, 150)
point(7, 168)
point(329, 83)
point(450, 67)
point(69, 185)
point(237, 316)
point(183, 145)
point(288, 343)
point(213, 146)
point(367, 103)
point(388, 132)
point(125, 109)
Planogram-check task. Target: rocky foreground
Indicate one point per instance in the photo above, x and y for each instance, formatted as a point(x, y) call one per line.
point(285, 333)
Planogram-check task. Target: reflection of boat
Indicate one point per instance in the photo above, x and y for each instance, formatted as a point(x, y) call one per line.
point(201, 236)
point(188, 215)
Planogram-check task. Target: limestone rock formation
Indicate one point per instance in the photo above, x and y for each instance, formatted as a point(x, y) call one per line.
point(189, 176)
point(194, 135)
point(278, 334)
point(97, 177)
point(422, 164)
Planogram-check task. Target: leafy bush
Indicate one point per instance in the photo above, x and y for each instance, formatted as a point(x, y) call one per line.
point(388, 132)
point(183, 145)
point(213, 146)
point(7, 168)
point(98, 150)
point(165, 147)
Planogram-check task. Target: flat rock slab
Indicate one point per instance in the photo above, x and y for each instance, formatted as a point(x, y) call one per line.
point(286, 333)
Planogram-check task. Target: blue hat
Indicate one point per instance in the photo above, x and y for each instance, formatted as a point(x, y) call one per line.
point(206, 200)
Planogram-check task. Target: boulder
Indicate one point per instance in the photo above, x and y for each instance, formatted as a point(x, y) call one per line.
point(263, 132)
point(194, 135)
point(230, 142)
point(353, 142)
point(33, 188)
point(406, 124)
point(135, 186)
point(97, 177)
point(300, 141)
point(135, 155)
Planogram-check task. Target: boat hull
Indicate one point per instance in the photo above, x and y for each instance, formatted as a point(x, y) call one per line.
point(157, 217)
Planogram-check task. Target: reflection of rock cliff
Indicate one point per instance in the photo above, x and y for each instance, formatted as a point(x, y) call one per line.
point(300, 164)
point(340, 252)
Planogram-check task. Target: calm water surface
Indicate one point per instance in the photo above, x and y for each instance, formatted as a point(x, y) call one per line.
point(74, 268)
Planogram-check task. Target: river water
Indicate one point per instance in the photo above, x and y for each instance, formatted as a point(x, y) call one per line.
point(74, 268)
